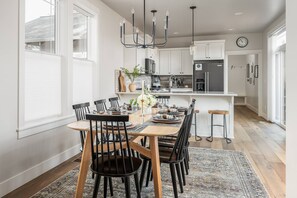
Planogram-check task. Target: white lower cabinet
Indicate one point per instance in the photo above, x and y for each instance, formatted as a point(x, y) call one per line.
point(176, 61)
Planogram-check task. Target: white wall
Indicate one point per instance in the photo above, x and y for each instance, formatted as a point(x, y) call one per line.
point(22, 160)
point(255, 41)
point(291, 174)
point(251, 88)
point(237, 74)
point(237, 78)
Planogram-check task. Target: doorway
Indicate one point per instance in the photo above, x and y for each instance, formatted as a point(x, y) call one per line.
point(245, 78)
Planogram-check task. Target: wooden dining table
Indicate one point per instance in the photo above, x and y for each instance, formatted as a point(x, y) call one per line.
point(151, 130)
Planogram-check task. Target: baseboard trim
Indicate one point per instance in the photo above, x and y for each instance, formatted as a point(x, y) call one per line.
point(20, 179)
point(254, 109)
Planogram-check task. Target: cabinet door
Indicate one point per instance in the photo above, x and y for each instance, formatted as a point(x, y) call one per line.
point(164, 62)
point(141, 59)
point(201, 51)
point(156, 59)
point(187, 62)
point(216, 50)
point(175, 62)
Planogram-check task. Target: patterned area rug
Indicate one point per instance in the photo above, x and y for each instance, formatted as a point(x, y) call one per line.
point(213, 173)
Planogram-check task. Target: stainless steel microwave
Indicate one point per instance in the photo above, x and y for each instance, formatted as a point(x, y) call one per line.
point(150, 66)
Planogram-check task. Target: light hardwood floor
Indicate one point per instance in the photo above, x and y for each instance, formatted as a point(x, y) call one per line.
point(262, 142)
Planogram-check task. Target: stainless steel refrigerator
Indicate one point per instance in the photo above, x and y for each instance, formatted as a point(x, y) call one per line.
point(208, 75)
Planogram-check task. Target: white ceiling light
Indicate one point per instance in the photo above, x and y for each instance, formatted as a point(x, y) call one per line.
point(238, 13)
point(175, 33)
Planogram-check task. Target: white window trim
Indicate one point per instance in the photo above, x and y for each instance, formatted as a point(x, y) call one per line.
point(66, 53)
point(270, 74)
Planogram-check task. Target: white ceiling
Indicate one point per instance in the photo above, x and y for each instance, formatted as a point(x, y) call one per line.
point(211, 16)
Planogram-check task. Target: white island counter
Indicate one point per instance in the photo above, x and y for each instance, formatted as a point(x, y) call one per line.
point(204, 101)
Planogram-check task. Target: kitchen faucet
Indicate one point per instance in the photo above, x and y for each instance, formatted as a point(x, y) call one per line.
point(172, 82)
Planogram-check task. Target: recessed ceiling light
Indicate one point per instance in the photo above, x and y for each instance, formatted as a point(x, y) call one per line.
point(238, 13)
point(175, 33)
point(230, 29)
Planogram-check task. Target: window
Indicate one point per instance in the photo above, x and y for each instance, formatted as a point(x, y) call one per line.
point(40, 25)
point(49, 81)
point(279, 77)
point(80, 33)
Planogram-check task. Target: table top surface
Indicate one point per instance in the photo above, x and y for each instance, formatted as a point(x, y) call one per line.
point(147, 127)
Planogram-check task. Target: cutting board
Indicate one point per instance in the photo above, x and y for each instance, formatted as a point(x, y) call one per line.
point(122, 83)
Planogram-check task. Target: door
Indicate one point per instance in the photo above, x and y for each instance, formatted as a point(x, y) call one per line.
point(187, 62)
point(200, 51)
point(164, 62)
point(216, 51)
point(175, 62)
point(215, 76)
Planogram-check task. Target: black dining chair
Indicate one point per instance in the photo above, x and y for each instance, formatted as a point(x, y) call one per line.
point(114, 102)
point(169, 140)
point(112, 164)
point(80, 112)
point(100, 105)
point(174, 156)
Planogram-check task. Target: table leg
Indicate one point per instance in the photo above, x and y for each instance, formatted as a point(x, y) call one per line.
point(84, 167)
point(156, 166)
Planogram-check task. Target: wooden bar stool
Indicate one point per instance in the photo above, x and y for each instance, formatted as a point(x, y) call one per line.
point(197, 138)
point(225, 133)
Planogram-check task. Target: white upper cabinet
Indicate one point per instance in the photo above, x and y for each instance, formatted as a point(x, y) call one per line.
point(209, 50)
point(164, 62)
point(201, 51)
point(177, 61)
point(187, 62)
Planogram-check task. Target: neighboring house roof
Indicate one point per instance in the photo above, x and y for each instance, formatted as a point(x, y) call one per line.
point(42, 29)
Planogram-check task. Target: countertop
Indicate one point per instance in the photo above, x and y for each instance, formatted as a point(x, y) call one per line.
point(193, 93)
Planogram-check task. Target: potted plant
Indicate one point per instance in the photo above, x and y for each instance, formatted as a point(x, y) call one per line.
point(132, 75)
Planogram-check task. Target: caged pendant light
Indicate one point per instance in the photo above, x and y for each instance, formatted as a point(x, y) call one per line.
point(192, 47)
point(136, 43)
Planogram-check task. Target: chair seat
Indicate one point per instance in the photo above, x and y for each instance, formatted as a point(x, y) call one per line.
point(196, 111)
point(113, 166)
point(218, 112)
point(164, 154)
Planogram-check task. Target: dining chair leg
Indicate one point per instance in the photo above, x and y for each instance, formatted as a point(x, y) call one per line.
point(137, 185)
point(127, 187)
point(186, 168)
point(182, 167)
point(96, 186)
point(180, 181)
point(143, 169)
point(149, 170)
point(110, 186)
point(151, 176)
point(173, 176)
point(105, 187)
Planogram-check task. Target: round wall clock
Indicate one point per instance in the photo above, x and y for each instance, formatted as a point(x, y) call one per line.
point(242, 42)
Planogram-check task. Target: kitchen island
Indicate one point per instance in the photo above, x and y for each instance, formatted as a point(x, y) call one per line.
point(204, 101)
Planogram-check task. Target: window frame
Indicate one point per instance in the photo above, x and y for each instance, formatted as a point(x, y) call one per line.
point(89, 16)
point(22, 8)
point(64, 25)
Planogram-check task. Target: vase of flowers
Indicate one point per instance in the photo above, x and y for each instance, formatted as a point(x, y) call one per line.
point(146, 101)
point(132, 75)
